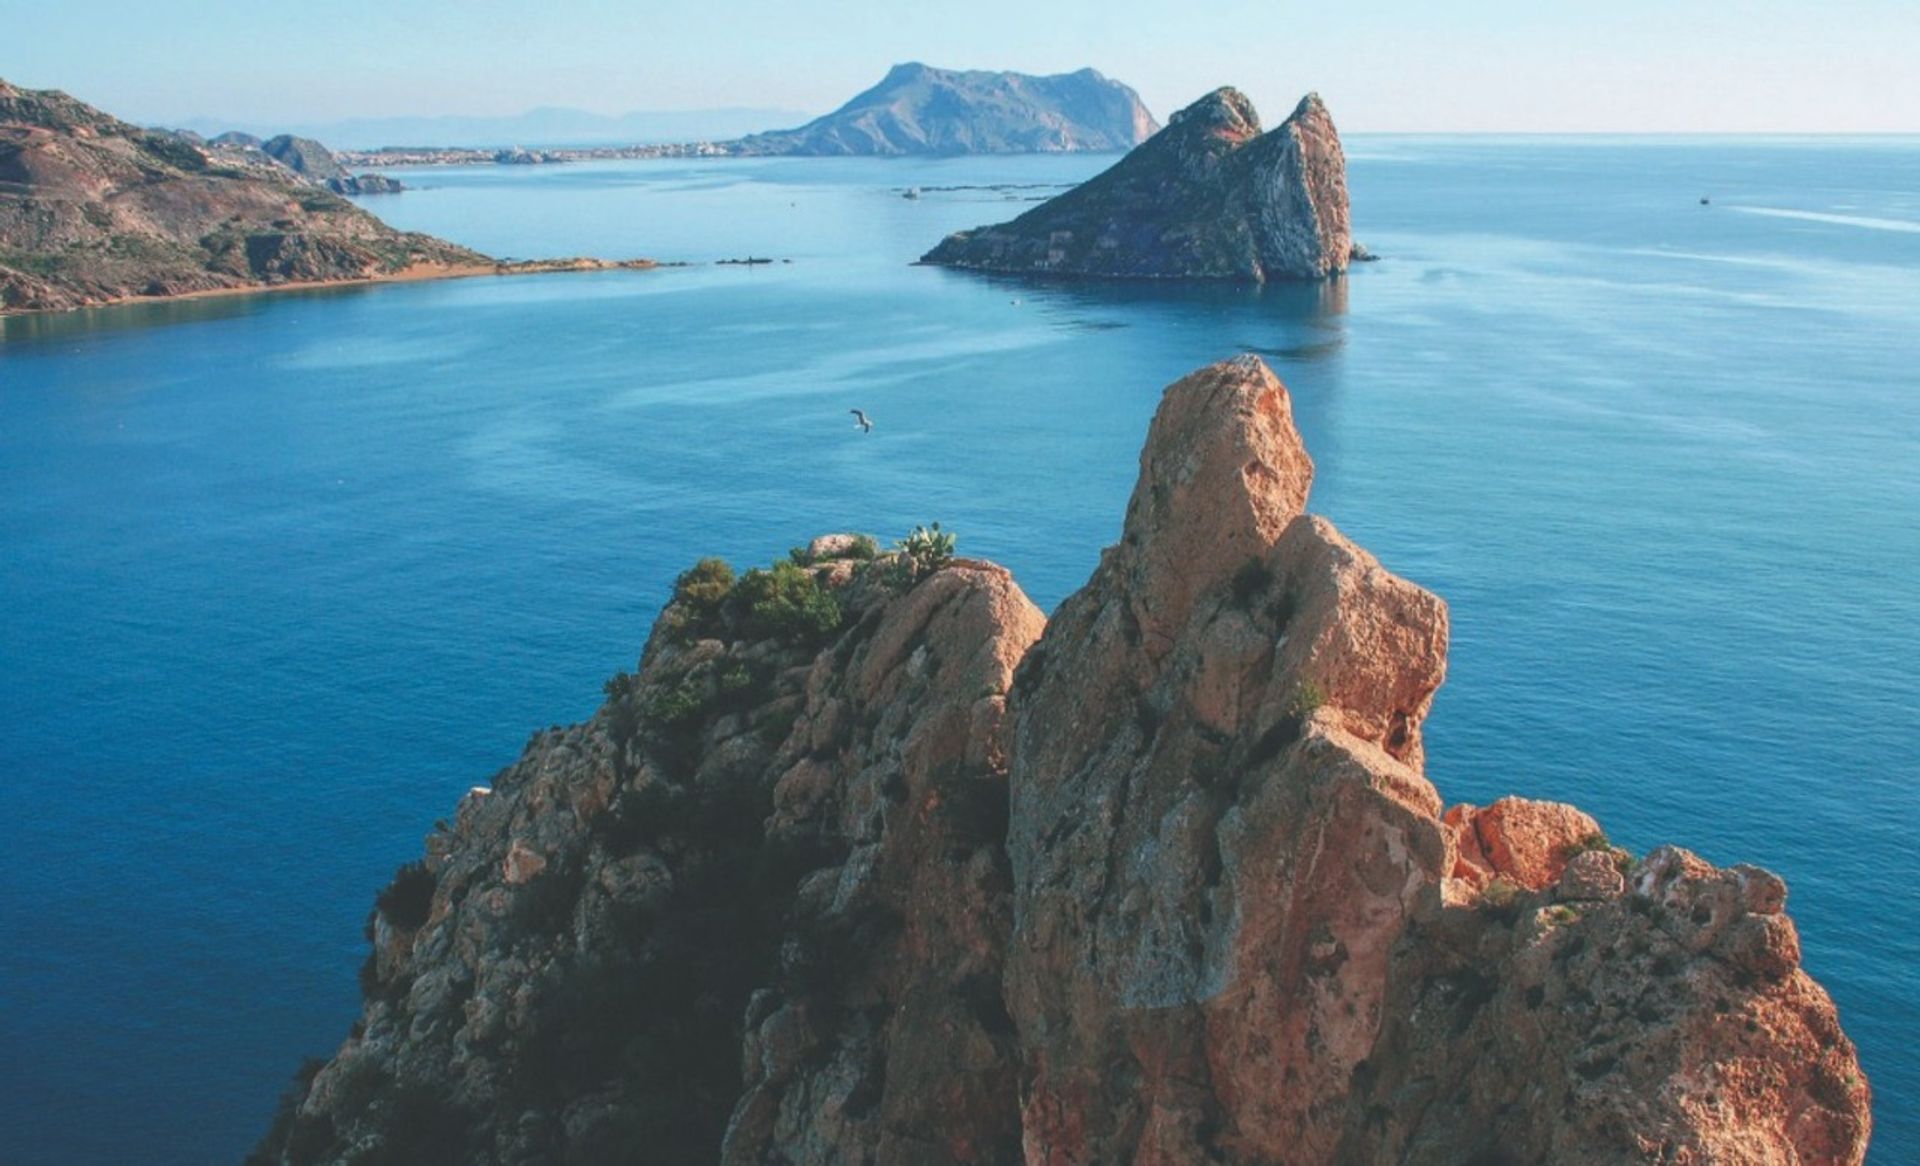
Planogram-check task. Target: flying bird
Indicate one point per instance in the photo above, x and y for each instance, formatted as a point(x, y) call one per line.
point(860, 421)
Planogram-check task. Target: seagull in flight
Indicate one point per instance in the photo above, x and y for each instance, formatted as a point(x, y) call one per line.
point(860, 421)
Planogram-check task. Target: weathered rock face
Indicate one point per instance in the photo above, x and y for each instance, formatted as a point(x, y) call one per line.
point(93, 209)
point(916, 109)
point(1209, 197)
point(1219, 826)
point(921, 879)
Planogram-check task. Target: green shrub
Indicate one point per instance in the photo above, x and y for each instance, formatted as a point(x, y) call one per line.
point(678, 706)
point(785, 602)
point(704, 586)
point(925, 550)
point(1308, 697)
point(864, 548)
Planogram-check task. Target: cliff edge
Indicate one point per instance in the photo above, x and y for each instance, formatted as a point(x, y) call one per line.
point(871, 863)
point(1208, 197)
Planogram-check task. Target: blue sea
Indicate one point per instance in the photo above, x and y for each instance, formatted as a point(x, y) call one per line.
point(281, 576)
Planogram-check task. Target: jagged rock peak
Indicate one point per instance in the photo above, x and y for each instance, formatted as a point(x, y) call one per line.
point(908, 874)
point(1209, 197)
point(1226, 108)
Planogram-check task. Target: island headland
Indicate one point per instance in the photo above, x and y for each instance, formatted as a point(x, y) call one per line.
point(94, 211)
point(871, 861)
point(918, 109)
point(1208, 197)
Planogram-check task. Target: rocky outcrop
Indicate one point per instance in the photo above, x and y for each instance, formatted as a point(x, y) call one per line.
point(869, 864)
point(315, 163)
point(916, 109)
point(1209, 197)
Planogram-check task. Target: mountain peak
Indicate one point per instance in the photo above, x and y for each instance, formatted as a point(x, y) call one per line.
point(920, 109)
point(1226, 109)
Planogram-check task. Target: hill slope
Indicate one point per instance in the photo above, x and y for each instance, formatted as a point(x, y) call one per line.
point(93, 210)
point(917, 109)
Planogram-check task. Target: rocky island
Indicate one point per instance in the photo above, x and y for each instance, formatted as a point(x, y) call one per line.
point(918, 109)
point(1209, 197)
point(872, 862)
point(94, 210)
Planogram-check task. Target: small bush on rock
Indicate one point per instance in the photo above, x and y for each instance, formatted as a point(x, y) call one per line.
point(785, 602)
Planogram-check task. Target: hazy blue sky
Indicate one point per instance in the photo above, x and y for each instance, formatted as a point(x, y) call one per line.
point(1630, 65)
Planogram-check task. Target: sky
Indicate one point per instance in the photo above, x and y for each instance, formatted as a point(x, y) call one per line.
point(1635, 66)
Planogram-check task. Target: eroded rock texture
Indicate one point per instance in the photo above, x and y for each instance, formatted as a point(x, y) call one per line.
point(1162, 882)
point(1208, 197)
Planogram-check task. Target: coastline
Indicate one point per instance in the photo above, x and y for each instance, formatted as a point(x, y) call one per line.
point(418, 273)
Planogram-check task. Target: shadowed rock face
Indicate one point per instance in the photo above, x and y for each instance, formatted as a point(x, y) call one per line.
point(1159, 881)
point(94, 210)
point(917, 109)
point(1209, 197)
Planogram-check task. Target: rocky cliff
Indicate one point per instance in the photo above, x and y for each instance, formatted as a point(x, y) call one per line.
point(916, 109)
point(1209, 197)
point(94, 210)
point(871, 863)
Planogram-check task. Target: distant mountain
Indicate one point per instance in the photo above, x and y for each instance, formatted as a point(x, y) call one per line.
point(917, 109)
point(538, 127)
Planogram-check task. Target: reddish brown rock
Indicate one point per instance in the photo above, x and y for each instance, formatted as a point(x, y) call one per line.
point(1216, 830)
point(1523, 841)
point(1167, 886)
point(1592, 875)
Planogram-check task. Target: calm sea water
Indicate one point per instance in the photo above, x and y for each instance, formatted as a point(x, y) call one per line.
point(281, 578)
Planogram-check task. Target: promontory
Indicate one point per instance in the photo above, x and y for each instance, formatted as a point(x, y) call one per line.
point(1208, 197)
point(870, 861)
point(94, 210)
